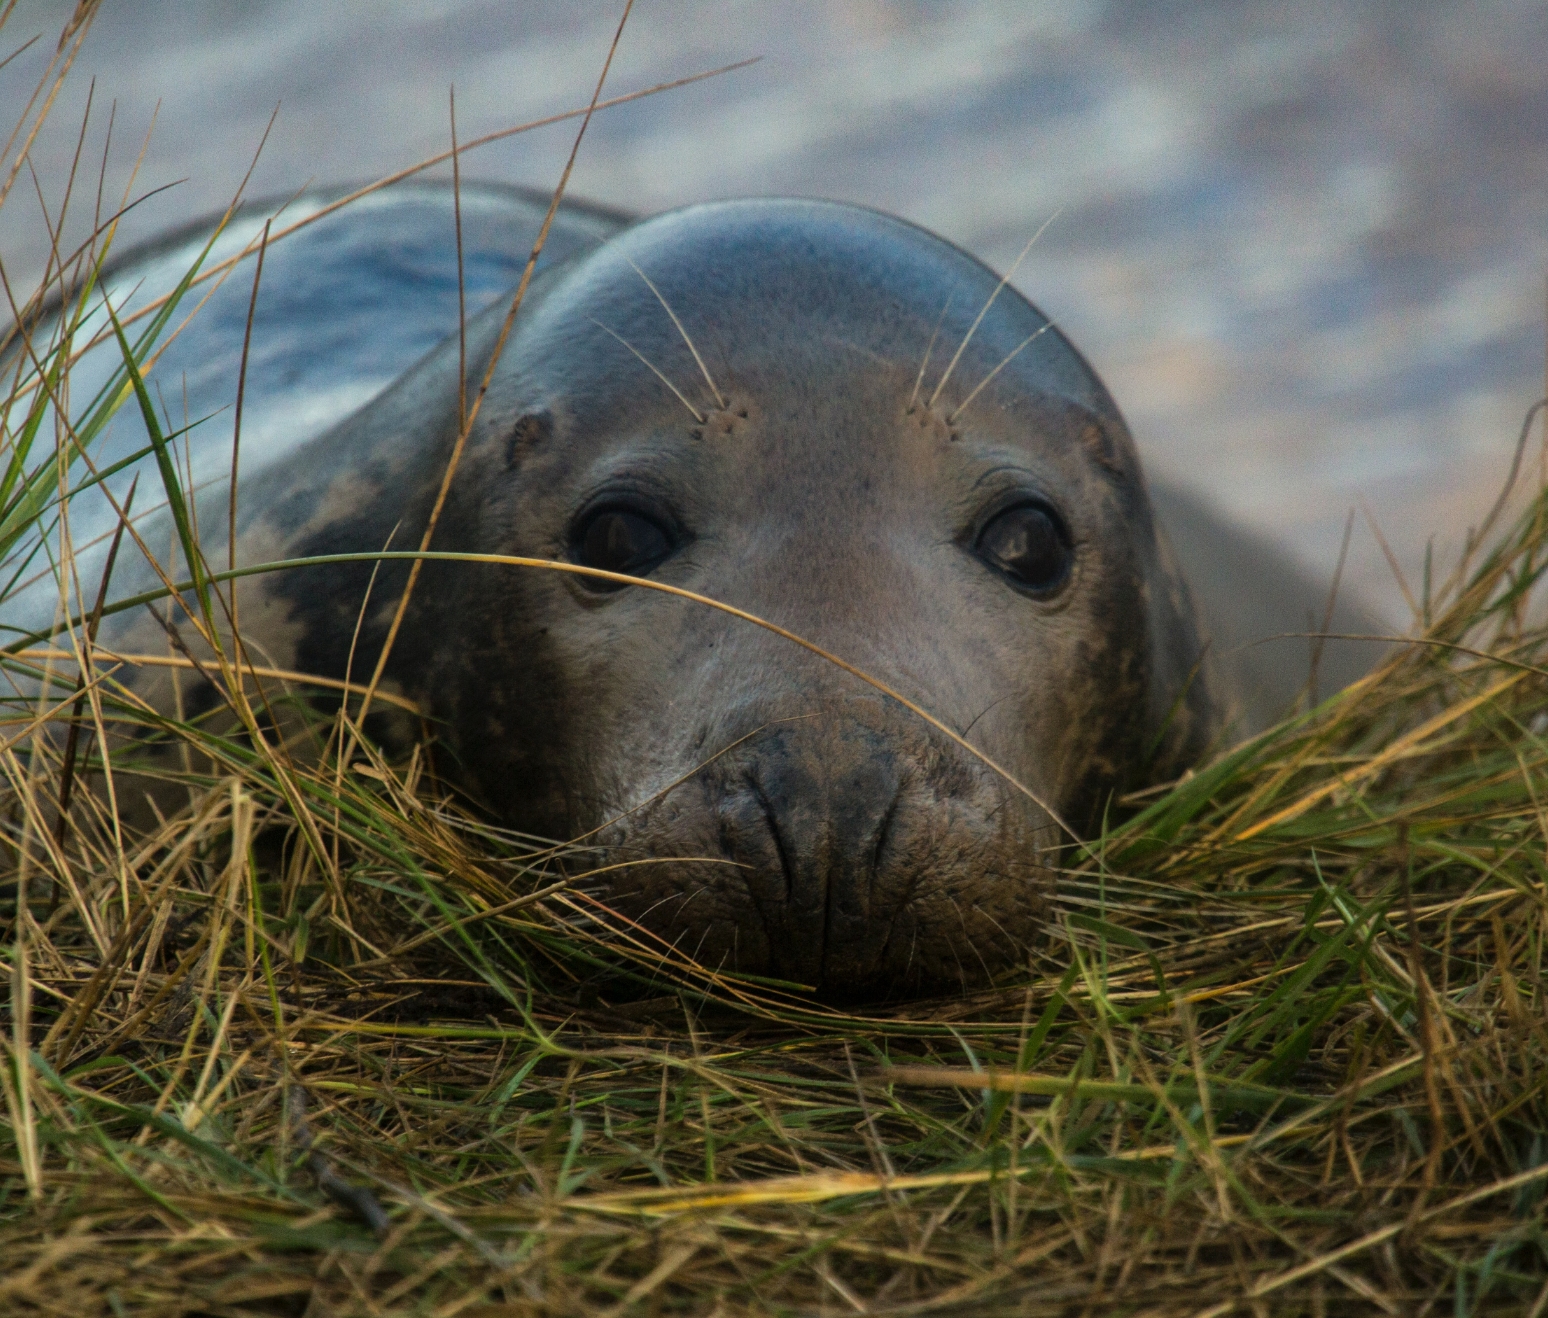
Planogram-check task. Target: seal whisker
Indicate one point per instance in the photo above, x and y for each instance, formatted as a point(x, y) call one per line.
point(693, 411)
point(667, 307)
point(977, 320)
point(940, 320)
point(1004, 362)
point(988, 916)
point(699, 947)
point(1000, 700)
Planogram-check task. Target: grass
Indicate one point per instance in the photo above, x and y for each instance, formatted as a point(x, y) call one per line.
point(325, 1043)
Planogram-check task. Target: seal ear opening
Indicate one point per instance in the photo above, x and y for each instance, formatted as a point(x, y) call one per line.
point(530, 430)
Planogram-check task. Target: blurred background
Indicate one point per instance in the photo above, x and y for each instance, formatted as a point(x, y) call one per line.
point(1305, 243)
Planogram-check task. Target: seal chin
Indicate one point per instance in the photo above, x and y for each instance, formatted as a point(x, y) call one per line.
point(835, 851)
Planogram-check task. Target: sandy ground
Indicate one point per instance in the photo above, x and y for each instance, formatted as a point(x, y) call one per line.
point(1304, 242)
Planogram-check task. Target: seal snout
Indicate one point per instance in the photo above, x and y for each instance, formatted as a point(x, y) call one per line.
point(813, 818)
point(860, 858)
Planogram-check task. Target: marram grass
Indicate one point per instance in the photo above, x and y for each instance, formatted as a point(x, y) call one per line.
point(326, 1043)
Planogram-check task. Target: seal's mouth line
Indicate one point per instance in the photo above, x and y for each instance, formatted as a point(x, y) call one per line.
point(575, 569)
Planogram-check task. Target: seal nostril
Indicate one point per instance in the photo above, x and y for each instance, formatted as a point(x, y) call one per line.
point(883, 838)
point(771, 819)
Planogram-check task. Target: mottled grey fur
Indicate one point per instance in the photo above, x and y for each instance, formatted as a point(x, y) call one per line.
point(822, 832)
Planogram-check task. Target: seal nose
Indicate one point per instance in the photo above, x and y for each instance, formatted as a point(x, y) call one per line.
point(865, 859)
point(812, 817)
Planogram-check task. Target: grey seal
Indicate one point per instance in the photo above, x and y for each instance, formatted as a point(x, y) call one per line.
point(833, 420)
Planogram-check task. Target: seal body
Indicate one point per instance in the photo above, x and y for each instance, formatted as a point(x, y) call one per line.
point(826, 418)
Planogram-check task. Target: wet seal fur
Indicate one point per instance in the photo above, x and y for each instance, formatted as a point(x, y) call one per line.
point(766, 383)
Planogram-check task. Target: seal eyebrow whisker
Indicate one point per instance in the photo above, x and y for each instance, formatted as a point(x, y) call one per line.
point(1004, 362)
point(667, 307)
point(693, 411)
point(929, 348)
point(977, 320)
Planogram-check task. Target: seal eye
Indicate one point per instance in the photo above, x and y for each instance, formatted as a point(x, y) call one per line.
point(619, 540)
point(1029, 544)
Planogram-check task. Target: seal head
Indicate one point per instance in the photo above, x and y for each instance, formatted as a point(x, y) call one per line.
point(834, 421)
